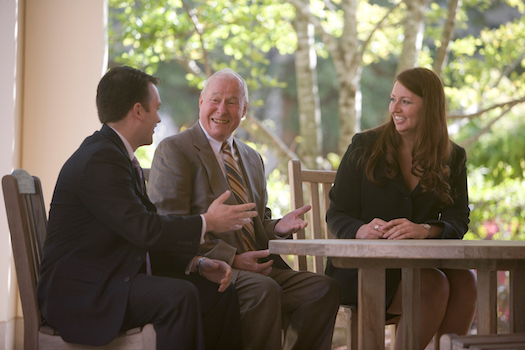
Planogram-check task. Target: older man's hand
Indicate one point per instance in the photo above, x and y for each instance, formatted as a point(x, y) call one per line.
point(248, 261)
point(292, 222)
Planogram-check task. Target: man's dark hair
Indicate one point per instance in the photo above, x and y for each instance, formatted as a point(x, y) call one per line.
point(118, 91)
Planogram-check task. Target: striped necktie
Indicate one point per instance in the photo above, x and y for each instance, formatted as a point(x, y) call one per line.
point(138, 171)
point(239, 192)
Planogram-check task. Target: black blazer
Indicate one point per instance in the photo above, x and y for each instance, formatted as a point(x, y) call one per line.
point(355, 201)
point(100, 227)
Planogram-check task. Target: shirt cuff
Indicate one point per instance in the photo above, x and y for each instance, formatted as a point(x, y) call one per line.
point(203, 231)
point(188, 268)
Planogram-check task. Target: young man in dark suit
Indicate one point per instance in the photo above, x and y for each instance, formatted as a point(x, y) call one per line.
point(94, 281)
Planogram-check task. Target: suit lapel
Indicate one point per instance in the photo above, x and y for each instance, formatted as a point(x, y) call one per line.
point(216, 177)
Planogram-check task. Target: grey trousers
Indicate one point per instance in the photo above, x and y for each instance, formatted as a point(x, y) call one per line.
point(303, 304)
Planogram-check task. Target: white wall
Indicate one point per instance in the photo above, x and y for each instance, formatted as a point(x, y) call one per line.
point(64, 60)
point(53, 55)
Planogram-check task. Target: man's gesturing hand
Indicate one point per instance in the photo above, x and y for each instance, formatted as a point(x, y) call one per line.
point(222, 217)
point(292, 222)
point(248, 261)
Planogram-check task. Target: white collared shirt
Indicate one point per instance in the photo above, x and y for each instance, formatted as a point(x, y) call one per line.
point(216, 147)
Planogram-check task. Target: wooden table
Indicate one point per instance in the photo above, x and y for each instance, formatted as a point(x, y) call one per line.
point(372, 257)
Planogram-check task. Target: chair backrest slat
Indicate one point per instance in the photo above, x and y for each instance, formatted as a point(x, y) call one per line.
point(40, 219)
point(27, 220)
point(318, 183)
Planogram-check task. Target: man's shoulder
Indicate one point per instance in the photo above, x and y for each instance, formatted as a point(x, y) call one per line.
point(249, 155)
point(98, 143)
point(185, 137)
point(94, 151)
point(181, 137)
point(243, 147)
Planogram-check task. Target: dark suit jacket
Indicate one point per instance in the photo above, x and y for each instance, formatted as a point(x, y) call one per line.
point(185, 178)
point(355, 201)
point(100, 227)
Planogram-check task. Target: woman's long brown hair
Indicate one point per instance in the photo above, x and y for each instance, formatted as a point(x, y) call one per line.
point(432, 146)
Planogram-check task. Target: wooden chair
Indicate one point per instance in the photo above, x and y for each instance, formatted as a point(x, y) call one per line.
point(319, 183)
point(27, 220)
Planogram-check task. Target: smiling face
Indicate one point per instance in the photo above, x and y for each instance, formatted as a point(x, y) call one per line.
point(406, 109)
point(221, 106)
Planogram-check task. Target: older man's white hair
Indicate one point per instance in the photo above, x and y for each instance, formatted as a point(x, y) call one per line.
point(231, 73)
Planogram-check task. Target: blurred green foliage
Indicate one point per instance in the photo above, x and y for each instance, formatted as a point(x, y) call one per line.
point(178, 40)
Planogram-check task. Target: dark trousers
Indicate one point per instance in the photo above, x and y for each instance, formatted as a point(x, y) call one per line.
point(187, 312)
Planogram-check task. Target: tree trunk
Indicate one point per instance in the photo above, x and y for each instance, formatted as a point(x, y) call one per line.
point(348, 67)
point(414, 29)
point(307, 92)
point(448, 33)
point(347, 58)
point(349, 109)
point(255, 128)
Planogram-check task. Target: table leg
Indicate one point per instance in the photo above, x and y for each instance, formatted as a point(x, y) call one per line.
point(371, 308)
point(487, 302)
point(411, 283)
point(517, 300)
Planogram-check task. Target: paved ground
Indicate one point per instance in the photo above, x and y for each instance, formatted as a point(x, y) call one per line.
point(339, 340)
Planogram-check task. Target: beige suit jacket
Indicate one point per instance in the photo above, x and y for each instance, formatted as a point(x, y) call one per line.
point(185, 178)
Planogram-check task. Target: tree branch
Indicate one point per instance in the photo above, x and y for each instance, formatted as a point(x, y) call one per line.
point(510, 104)
point(189, 66)
point(379, 25)
point(448, 33)
point(259, 131)
point(474, 138)
point(198, 29)
point(506, 72)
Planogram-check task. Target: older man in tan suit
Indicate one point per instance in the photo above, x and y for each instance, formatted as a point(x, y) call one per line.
point(193, 168)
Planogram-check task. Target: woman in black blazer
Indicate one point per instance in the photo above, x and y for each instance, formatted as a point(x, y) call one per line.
point(407, 180)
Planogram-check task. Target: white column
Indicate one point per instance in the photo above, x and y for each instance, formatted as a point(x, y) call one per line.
point(65, 57)
point(11, 33)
